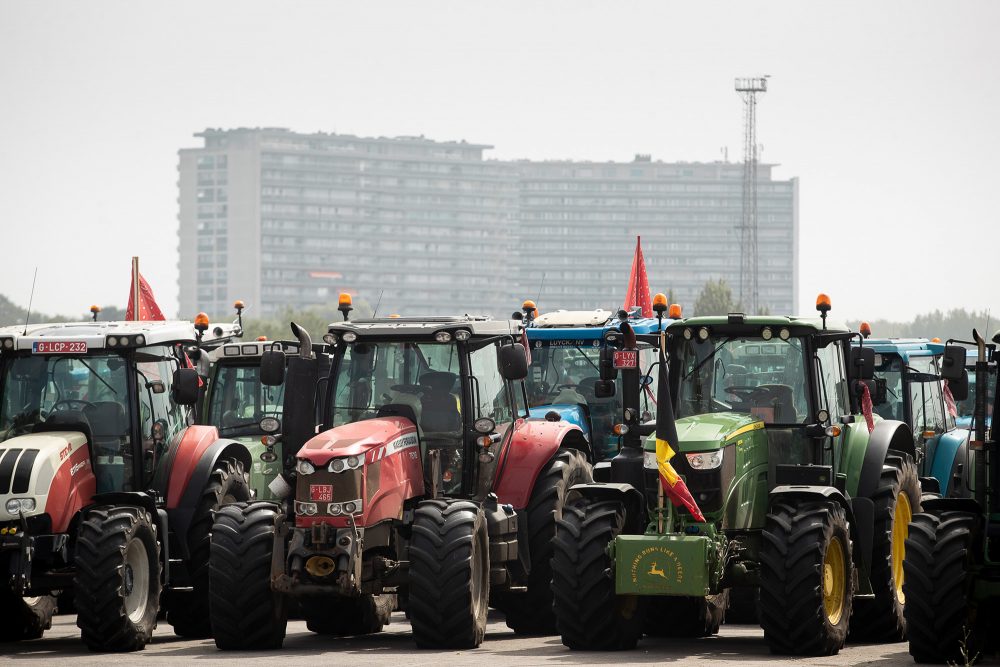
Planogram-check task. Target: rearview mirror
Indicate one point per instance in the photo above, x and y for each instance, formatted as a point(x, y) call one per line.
point(513, 362)
point(604, 389)
point(185, 386)
point(959, 386)
point(272, 368)
point(953, 363)
point(607, 365)
point(862, 363)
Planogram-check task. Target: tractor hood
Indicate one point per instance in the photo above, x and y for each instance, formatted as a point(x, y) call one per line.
point(715, 430)
point(388, 434)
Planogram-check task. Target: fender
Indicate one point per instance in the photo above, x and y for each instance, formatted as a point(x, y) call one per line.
point(182, 512)
point(894, 435)
point(626, 494)
point(948, 455)
point(860, 514)
point(531, 445)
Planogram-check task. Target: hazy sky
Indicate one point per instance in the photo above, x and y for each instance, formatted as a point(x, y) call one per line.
point(888, 112)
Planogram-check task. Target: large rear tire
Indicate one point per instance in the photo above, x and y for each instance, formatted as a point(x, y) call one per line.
point(245, 613)
point(589, 616)
point(342, 616)
point(896, 499)
point(806, 578)
point(685, 616)
point(938, 563)
point(188, 611)
point(25, 618)
point(531, 612)
point(117, 580)
point(449, 574)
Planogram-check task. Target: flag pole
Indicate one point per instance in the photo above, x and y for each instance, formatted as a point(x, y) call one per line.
point(135, 288)
point(663, 369)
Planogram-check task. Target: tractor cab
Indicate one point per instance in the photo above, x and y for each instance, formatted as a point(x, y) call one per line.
point(565, 373)
point(966, 406)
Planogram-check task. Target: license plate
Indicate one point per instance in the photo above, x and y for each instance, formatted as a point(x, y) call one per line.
point(626, 359)
point(59, 347)
point(321, 492)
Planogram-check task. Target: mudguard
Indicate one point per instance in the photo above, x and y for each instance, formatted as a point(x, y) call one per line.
point(860, 520)
point(888, 434)
point(630, 497)
point(532, 444)
point(951, 451)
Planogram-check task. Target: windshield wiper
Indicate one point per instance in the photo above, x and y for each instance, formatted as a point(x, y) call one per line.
point(589, 360)
point(703, 361)
point(99, 377)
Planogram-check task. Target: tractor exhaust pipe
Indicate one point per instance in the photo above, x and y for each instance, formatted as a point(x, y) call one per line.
point(305, 341)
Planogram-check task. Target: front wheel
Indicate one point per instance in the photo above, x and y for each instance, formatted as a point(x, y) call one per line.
point(805, 578)
point(245, 613)
point(117, 579)
point(589, 615)
point(27, 618)
point(449, 574)
point(939, 618)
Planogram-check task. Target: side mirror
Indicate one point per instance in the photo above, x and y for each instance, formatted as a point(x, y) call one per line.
point(513, 362)
point(862, 363)
point(272, 368)
point(607, 366)
point(959, 386)
point(185, 386)
point(156, 386)
point(604, 389)
point(880, 396)
point(953, 365)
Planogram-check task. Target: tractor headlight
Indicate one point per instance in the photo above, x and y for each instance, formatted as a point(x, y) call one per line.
point(348, 463)
point(20, 505)
point(705, 460)
point(305, 467)
point(330, 339)
point(649, 461)
point(308, 509)
point(350, 508)
point(442, 337)
point(349, 336)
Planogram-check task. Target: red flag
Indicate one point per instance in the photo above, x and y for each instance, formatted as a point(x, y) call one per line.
point(527, 345)
point(147, 308)
point(866, 407)
point(949, 400)
point(638, 284)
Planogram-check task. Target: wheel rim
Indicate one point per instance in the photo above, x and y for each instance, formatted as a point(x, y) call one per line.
point(902, 516)
point(834, 579)
point(136, 582)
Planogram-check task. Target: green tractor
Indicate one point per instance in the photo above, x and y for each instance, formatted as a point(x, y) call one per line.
point(806, 502)
point(952, 561)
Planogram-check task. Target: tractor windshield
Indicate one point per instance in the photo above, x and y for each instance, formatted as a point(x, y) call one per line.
point(766, 379)
point(408, 376)
point(89, 391)
point(889, 367)
point(563, 373)
point(238, 400)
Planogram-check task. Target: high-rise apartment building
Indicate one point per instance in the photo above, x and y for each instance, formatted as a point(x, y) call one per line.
point(288, 220)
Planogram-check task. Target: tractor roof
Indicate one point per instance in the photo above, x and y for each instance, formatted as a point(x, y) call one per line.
point(904, 347)
point(405, 327)
point(749, 321)
point(97, 334)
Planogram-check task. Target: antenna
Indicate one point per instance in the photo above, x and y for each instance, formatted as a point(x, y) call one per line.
point(31, 298)
point(380, 293)
point(987, 329)
point(540, 286)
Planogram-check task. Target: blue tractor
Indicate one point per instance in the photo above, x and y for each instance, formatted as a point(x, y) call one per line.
point(565, 378)
point(966, 406)
point(909, 389)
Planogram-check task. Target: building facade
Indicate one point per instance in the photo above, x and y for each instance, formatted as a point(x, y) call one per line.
point(284, 220)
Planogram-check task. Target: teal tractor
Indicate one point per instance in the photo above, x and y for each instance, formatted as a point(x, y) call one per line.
point(564, 373)
point(802, 500)
point(952, 561)
point(909, 388)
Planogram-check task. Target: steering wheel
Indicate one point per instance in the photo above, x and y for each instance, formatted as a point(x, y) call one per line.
point(564, 385)
point(70, 402)
point(414, 389)
point(743, 393)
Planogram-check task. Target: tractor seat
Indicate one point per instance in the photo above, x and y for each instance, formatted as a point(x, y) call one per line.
point(439, 407)
point(109, 423)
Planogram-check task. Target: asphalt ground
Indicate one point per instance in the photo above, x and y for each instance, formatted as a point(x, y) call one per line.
point(735, 646)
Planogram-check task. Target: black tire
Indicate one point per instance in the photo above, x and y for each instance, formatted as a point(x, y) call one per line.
point(743, 606)
point(245, 613)
point(117, 580)
point(531, 612)
point(25, 618)
point(449, 574)
point(897, 498)
point(938, 562)
point(187, 611)
point(685, 616)
point(342, 616)
point(806, 546)
point(589, 615)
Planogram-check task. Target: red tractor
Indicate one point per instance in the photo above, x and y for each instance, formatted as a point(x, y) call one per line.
point(426, 487)
point(106, 492)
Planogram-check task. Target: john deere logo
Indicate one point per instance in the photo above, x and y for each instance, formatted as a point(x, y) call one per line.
point(657, 564)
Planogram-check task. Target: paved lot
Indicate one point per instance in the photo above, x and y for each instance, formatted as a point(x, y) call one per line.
point(736, 645)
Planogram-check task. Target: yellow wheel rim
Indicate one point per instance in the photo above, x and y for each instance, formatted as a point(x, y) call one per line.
point(900, 529)
point(834, 580)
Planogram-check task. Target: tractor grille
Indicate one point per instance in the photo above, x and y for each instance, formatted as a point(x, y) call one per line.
point(324, 487)
point(15, 469)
